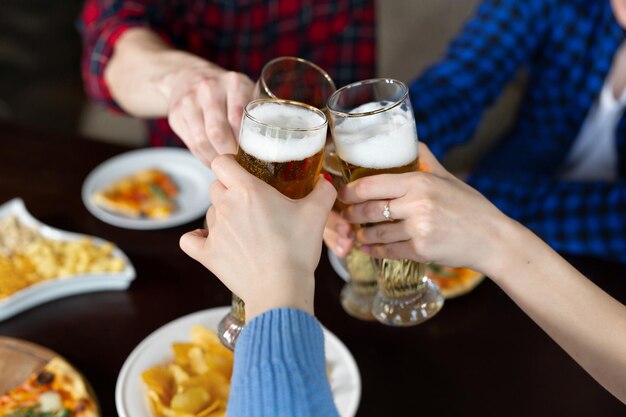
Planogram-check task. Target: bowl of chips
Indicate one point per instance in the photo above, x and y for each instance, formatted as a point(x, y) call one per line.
point(182, 370)
point(39, 263)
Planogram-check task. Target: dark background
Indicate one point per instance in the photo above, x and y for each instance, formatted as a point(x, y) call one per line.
point(40, 84)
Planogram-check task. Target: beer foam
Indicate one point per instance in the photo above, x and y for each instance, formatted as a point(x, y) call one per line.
point(272, 144)
point(286, 116)
point(379, 141)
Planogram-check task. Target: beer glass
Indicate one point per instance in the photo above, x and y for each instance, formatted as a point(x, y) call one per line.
point(287, 78)
point(282, 143)
point(374, 132)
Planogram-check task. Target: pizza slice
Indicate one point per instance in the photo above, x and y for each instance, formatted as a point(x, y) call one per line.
point(148, 193)
point(58, 390)
point(454, 282)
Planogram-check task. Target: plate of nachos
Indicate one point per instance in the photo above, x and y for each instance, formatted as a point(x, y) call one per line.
point(182, 370)
point(39, 263)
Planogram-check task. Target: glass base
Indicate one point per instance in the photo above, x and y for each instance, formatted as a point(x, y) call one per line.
point(409, 310)
point(356, 303)
point(228, 330)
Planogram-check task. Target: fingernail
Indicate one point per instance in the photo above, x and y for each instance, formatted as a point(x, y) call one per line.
point(343, 229)
point(352, 235)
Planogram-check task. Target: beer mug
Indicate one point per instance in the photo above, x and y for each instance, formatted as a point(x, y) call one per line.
point(282, 143)
point(373, 127)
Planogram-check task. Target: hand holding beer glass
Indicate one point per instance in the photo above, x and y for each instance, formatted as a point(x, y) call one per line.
point(282, 143)
point(374, 132)
point(287, 78)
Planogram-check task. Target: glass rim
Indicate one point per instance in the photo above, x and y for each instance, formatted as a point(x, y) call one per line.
point(297, 59)
point(403, 86)
point(291, 103)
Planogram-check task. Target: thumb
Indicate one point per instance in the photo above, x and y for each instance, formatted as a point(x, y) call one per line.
point(192, 243)
point(428, 162)
point(324, 194)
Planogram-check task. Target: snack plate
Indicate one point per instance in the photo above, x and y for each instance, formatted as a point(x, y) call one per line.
point(60, 287)
point(192, 178)
point(131, 394)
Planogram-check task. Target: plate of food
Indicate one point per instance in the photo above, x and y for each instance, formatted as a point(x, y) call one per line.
point(452, 282)
point(152, 188)
point(39, 263)
point(186, 353)
point(38, 382)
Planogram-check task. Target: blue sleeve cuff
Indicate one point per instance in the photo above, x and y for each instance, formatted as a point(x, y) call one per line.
point(280, 367)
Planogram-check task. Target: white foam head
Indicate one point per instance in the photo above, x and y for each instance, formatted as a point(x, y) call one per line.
point(380, 141)
point(271, 140)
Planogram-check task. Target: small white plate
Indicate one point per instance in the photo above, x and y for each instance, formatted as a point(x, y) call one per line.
point(61, 287)
point(131, 395)
point(190, 175)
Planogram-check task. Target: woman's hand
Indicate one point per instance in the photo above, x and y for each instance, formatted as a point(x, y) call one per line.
point(438, 218)
point(205, 108)
point(262, 245)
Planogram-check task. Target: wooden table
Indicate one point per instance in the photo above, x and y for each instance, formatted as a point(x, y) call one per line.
point(481, 356)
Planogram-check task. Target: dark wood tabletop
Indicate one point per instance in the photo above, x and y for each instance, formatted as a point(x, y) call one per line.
point(480, 356)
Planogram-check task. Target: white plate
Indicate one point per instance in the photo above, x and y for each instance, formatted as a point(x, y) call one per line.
point(131, 395)
point(62, 287)
point(339, 265)
point(190, 175)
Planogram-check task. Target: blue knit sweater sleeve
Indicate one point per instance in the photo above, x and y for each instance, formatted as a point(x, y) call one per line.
point(280, 368)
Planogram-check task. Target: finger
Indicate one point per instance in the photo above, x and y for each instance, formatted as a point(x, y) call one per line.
point(192, 243)
point(229, 172)
point(241, 95)
point(336, 234)
point(398, 250)
point(338, 224)
point(338, 244)
point(324, 195)
point(428, 162)
point(383, 233)
point(373, 211)
point(376, 187)
point(218, 130)
point(197, 141)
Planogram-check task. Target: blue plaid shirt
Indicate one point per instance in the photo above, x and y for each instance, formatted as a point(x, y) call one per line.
point(568, 48)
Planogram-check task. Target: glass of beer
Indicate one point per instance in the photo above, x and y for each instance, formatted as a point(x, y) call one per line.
point(374, 132)
point(296, 79)
point(282, 143)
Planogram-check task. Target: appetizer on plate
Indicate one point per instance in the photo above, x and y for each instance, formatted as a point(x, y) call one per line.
point(454, 282)
point(196, 383)
point(148, 193)
point(27, 257)
point(58, 390)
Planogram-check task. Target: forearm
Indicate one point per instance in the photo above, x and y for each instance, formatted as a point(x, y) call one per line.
point(142, 69)
point(280, 368)
point(585, 321)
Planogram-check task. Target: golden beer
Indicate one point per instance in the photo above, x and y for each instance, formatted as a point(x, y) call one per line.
point(282, 143)
point(375, 133)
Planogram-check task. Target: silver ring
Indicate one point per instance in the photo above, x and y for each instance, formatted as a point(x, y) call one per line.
point(387, 212)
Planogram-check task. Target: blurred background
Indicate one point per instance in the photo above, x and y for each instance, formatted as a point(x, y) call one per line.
point(41, 88)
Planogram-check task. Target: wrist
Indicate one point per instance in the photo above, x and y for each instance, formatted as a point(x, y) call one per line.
point(510, 247)
point(282, 293)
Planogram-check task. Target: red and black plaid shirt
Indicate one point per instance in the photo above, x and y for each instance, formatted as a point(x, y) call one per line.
point(239, 35)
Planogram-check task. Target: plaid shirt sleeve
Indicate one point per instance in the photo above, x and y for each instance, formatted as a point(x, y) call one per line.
point(449, 98)
point(577, 218)
point(101, 24)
